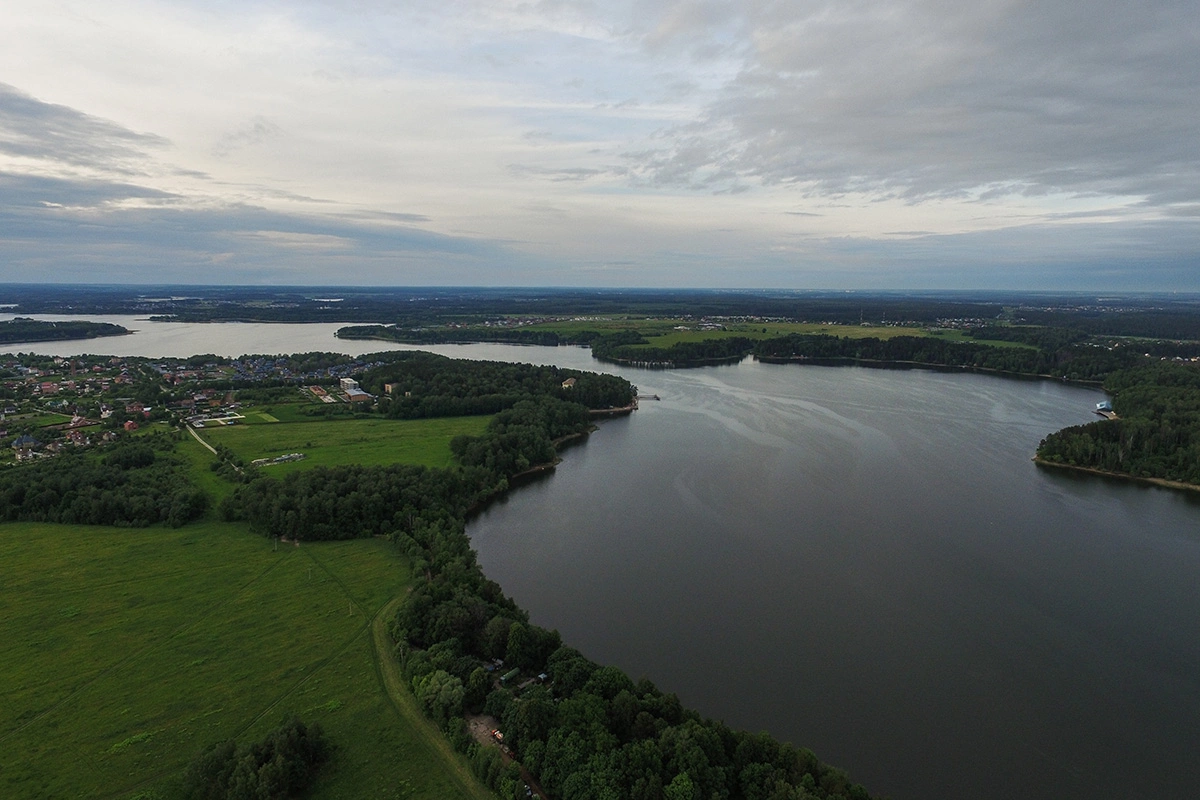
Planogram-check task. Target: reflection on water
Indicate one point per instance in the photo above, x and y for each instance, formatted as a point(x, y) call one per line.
point(864, 562)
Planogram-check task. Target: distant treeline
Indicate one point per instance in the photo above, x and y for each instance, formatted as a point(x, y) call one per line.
point(134, 483)
point(1151, 323)
point(475, 333)
point(1063, 359)
point(1157, 434)
point(419, 307)
point(31, 330)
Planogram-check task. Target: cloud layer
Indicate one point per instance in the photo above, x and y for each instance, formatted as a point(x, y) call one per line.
point(908, 144)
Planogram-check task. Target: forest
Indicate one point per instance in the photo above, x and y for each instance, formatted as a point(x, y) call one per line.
point(428, 385)
point(1156, 433)
point(1059, 356)
point(279, 767)
point(22, 329)
point(132, 483)
point(630, 347)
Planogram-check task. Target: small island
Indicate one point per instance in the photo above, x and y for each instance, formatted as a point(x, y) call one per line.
point(23, 329)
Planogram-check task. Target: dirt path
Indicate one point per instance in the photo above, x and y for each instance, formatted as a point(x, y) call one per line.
point(196, 436)
point(394, 688)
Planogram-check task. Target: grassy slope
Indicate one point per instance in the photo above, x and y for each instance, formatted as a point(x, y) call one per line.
point(345, 441)
point(129, 650)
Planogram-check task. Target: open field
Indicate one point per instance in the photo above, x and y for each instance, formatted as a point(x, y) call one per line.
point(127, 651)
point(41, 419)
point(663, 333)
point(345, 441)
point(279, 412)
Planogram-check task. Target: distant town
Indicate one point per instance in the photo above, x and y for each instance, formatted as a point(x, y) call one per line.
point(50, 403)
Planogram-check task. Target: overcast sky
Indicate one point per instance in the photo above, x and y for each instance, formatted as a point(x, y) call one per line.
point(846, 144)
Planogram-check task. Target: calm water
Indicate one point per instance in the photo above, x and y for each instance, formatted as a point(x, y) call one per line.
point(864, 562)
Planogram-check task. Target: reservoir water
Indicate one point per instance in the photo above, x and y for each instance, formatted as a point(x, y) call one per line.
point(863, 562)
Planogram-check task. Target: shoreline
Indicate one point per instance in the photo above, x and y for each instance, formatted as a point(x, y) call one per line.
point(881, 364)
point(1124, 476)
point(619, 411)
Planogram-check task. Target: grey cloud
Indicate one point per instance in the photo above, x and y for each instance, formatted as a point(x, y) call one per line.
point(169, 243)
point(556, 175)
point(390, 216)
point(253, 132)
point(30, 128)
point(31, 191)
point(929, 98)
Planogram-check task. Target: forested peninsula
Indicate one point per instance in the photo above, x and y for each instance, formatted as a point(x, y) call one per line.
point(1155, 434)
point(582, 726)
point(571, 727)
point(23, 329)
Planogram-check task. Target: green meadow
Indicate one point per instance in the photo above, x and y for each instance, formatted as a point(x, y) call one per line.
point(127, 651)
point(343, 441)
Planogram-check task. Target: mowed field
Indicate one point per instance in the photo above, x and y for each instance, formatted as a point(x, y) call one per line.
point(343, 441)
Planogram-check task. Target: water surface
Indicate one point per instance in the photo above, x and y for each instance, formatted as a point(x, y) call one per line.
point(866, 563)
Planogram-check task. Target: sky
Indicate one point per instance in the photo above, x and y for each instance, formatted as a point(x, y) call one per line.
point(850, 144)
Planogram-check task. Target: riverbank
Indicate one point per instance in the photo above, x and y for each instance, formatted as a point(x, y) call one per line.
point(619, 411)
point(886, 364)
point(1163, 482)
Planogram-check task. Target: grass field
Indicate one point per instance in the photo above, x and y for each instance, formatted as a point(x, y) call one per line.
point(126, 651)
point(663, 333)
point(344, 441)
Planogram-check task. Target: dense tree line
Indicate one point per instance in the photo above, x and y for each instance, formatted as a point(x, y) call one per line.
point(135, 483)
point(279, 767)
point(444, 335)
point(1156, 435)
point(429, 385)
point(1075, 362)
point(30, 330)
point(588, 731)
point(353, 501)
point(356, 501)
point(522, 436)
point(630, 347)
point(1151, 323)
